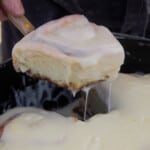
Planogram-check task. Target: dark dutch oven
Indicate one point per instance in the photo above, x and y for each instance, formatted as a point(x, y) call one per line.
point(19, 90)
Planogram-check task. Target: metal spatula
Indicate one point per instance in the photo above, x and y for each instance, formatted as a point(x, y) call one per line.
point(22, 24)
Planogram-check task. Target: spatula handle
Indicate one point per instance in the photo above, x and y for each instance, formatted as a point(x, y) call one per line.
point(22, 24)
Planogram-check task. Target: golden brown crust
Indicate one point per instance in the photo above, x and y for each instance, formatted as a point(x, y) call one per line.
point(70, 85)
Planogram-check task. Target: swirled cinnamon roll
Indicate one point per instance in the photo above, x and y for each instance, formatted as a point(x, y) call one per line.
point(71, 52)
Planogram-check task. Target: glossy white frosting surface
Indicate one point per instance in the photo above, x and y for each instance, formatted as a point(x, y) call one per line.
point(126, 127)
point(76, 37)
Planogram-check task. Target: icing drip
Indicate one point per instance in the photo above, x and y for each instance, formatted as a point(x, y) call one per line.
point(86, 90)
point(109, 97)
point(74, 93)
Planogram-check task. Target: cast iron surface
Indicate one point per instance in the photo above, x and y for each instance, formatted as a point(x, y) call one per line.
point(19, 90)
point(137, 51)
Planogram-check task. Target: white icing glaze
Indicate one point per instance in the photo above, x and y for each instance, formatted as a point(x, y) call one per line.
point(73, 93)
point(126, 127)
point(86, 90)
point(109, 97)
point(75, 36)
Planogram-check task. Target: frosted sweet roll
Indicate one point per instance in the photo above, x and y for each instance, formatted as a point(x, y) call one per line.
point(71, 52)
